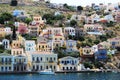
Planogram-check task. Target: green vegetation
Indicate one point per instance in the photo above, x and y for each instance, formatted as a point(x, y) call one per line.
point(6, 16)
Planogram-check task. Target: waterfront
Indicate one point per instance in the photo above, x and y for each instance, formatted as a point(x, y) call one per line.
point(63, 76)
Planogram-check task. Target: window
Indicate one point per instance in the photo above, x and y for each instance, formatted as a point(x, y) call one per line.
point(41, 58)
point(9, 68)
point(46, 67)
point(33, 58)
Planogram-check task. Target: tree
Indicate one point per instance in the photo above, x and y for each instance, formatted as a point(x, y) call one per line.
point(79, 8)
point(88, 65)
point(14, 3)
point(73, 22)
point(28, 20)
point(103, 37)
point(14, 34)
point(96, 41)
point(5, 17)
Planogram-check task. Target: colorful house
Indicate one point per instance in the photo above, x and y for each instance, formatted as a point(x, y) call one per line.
point(71, 45)
point(68, 63)
point(6, 62)
point(6, 43)
point(43, 60)
point(69, 31)
point(101, 54)
point(30, 45)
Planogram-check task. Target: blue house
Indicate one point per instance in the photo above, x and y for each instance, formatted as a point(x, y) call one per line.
point(101, 54)
point(18, 13)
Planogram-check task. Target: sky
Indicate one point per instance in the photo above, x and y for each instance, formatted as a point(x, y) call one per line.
point(84, 2)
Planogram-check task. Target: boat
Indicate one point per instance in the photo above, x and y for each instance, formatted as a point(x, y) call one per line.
point(46, 72)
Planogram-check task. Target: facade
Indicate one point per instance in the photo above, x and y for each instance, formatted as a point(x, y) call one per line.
point(17, 51)
point(2, 32)
point(34, 30)
point(71, 45)
point(79, 32)
point(101, 54)
point(38, 19)
point(6, 62)
point(43, 46)
point(117, 17)
point(93, 28)
point(68, 64)
point(20, 63)
point(114, 42)
point(8, 30)
point(30, 45)
point(87, 52)
point(6, 43)
point(16, 44)
point(43, 60)
point(57, 41)
point(69, 31)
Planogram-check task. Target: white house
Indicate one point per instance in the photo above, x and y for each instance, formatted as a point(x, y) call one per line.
point(8, 30)
point(68, 63)
point(71, 45)
point(109, 18)
point(6, 62)
point(43, 60)
point(6, 43)
point(30, 45)
point(69, 31)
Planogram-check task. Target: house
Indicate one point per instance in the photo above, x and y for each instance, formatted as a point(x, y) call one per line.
point(78, 17)
point(95, 18)
point(57, 31)
point(57, 13)
point(43, 60)
point(34, 30)
point(20, 63)
point(109, 18)
point(69, 31)
point(79, 32)
point(93, 28)
point(57, 41)
point(101, 54)
point(30, 45)
point(8, 30)
point(117, 16)
point(38, 19)
point(114, 42)
point(6, 62)
point(43, 46)
point(17, 13)
point(71, 45)
point(6, 43)
point(22, 28)
point(87, 52)
point(17, 51)
point(16, 44)
point(2, 32)
point(68, 63)
point(49, 32)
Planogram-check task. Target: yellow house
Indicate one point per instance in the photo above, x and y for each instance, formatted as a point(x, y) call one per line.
point(43, 46)
point(38, 19)
point(81, 51)
point(17, 51)
point(2, 32)
point(16, 44)
point(58, 41)
point(43, 60)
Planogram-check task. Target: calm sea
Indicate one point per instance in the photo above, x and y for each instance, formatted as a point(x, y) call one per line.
point(62, 76)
